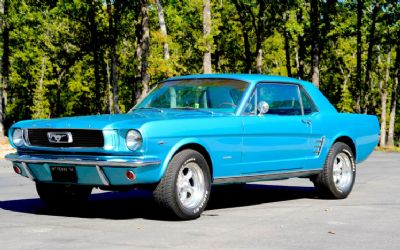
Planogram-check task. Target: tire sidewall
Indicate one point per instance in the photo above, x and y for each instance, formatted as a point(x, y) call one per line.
point(197, 158)
point(337, 149)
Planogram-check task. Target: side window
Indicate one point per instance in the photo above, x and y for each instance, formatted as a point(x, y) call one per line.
point(283, 99)
point(308, 104)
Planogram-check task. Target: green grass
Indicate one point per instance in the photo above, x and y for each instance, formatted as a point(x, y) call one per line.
point(388, 149)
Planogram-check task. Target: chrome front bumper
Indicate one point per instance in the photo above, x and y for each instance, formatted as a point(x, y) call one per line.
point(100, 165)
point(114, 161)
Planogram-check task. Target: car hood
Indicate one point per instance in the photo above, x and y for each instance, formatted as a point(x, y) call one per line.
point(120, 121)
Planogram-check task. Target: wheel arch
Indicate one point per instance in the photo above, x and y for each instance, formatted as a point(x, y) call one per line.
point(349, 142)
point(193, 144)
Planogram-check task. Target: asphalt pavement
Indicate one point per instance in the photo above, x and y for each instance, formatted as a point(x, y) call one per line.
point(265, 215)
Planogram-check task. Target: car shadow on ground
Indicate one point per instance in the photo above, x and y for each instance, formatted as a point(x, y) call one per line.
point(140, 204)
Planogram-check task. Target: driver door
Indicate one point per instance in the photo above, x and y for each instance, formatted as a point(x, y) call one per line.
point(278, 140)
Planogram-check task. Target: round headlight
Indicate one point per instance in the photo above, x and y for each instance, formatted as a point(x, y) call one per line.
point(133, 140)
point(17, 137)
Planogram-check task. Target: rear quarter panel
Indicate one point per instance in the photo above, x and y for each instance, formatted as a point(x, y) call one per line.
point(362, 129)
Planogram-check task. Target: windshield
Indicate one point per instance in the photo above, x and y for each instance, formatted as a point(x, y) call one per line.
point(221, 95)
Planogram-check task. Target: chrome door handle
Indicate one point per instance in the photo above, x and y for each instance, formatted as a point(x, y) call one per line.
point(308, 122)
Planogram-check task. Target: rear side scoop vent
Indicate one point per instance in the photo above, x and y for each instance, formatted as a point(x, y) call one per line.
point(318, 145)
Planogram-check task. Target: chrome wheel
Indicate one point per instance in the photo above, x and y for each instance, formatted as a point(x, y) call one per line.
point(342, 172)
point(185, 187)
point(190, 185)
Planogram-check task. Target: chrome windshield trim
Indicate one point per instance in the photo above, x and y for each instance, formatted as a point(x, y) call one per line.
point(238, 109)
point(14, 157)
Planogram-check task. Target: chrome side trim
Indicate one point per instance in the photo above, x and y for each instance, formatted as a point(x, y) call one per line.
point(264, 177)
point(14, 157)
point(27, 171)
point(102, 176)
point(320, 144)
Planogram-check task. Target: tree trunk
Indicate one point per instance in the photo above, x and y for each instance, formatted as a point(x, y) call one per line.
point(360, 7)
point(108, 95)
point(163, 29)
point(392, 117)
point(382, 140)
point(315, 42)
point(207, 36)
point(143, 50)
point(260, 33)
point(371, 44)
point(5, 65)
point(384, 95)
point(287, 53)
point(302, 48)
point(259, 61)
point(58, 94)
point(96, 61)
point(247, 51)
point(112, 32)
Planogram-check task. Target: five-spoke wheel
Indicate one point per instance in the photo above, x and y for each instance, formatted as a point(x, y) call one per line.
point(190, 185)
point(338, 175)
point(185, 187)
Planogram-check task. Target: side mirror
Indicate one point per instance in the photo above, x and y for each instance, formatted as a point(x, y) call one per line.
point(263, 107)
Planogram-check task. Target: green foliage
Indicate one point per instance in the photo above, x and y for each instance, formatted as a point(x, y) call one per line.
point(74, 38)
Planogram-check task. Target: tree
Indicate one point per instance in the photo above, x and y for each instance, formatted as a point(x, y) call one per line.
point(93, 27)
point(383, 84)
point(41, 106)
point(302, 46)
point(163, 29)
point(360, 7)
point(62, 57)
point(371, 44)
point(207, 33)
point(254, 29)
point(315, 42)
point(113, 20)
point(394, 99)
point(143, 50)
point(5, 62)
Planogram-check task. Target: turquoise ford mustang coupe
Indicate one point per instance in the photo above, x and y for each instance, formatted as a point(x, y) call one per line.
point(194, 131)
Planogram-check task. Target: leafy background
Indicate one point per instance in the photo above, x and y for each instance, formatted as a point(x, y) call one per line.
point(78, 57)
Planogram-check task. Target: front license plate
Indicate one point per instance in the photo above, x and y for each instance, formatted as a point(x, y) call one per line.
point(63, 174)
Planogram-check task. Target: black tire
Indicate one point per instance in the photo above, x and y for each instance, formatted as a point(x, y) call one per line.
point(339, 186)
point(168, 194)
point(62, 195)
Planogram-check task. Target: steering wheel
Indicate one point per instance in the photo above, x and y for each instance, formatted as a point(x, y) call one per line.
point(227, 103)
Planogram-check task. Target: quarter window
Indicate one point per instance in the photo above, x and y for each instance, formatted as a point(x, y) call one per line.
point(308, 104)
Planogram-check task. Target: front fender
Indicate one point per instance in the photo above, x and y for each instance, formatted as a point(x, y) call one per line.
point(181, 143)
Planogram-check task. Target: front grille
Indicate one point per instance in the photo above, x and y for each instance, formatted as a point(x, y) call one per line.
point(80, 138)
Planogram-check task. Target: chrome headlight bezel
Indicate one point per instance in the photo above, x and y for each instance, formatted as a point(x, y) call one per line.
point(18, 137)
point(133, 140)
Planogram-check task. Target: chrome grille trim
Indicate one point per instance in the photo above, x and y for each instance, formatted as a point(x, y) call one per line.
point(83, 138)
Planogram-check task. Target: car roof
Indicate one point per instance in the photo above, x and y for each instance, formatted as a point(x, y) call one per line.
point(253, 78)
point(319, 99)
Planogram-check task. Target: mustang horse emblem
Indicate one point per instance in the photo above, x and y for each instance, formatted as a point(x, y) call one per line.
point(59, 137)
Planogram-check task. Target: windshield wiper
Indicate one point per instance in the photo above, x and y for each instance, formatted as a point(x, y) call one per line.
point(150, 108)
point(195, 109)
